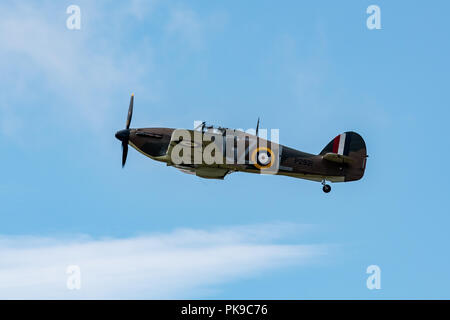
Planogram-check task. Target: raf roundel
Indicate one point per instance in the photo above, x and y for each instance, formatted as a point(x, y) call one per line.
point(263, 158)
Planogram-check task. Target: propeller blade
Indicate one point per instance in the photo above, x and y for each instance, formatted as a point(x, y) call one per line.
point(124, 135)
point(124, 152)
point(130, 112)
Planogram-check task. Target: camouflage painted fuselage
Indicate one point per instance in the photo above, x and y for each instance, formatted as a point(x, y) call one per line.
point(343, 159)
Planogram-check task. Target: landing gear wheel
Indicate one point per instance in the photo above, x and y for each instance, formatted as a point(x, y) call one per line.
point(326, 188)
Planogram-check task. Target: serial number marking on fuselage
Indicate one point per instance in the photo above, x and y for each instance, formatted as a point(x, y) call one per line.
point(303, 162)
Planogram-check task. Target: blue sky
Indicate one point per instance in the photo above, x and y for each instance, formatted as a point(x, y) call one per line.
point(310, 69)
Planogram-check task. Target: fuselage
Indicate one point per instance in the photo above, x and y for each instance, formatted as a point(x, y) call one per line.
point(157, 144)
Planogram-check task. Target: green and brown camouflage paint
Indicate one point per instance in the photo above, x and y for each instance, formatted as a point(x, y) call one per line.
point(343, 159)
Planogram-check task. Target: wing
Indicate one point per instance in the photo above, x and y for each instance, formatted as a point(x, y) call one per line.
point(205, 172)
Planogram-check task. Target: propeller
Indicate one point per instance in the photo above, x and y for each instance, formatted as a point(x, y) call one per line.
point(124, 135)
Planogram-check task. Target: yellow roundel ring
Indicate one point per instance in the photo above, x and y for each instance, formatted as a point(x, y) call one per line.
point(255, 160)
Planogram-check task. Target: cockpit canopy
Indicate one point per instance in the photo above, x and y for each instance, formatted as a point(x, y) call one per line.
point(213, 129)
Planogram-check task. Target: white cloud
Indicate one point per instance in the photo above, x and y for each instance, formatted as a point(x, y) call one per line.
point(74, 78)
point(80, 73)
point(186, 263)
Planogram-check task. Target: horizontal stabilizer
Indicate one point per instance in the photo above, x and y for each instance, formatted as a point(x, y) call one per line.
point(339, 158)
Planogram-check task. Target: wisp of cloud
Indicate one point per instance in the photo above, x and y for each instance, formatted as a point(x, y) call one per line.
point(185, 263)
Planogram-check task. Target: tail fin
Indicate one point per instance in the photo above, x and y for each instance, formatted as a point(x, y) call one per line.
point(348, 147)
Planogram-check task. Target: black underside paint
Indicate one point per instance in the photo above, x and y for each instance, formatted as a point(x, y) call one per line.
point(155, 149)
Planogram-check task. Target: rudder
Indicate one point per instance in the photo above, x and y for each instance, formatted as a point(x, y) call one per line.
point(349, 144)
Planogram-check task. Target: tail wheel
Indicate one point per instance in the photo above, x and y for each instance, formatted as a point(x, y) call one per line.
point(326, 188)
